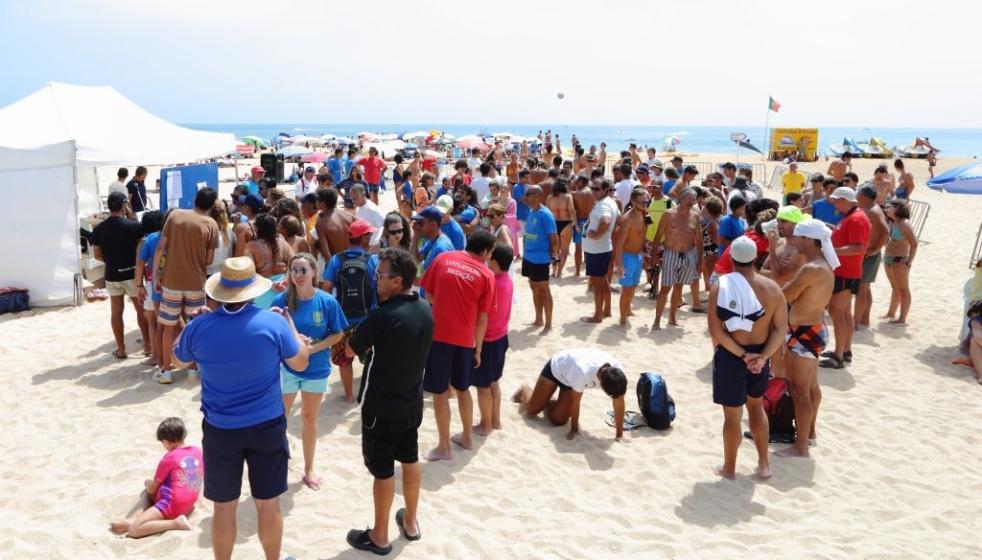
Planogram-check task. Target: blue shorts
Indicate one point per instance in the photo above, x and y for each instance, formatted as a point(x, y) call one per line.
point(290, 383)
point(262, 446)
point(632, 264)
point(578, 232)
point(492, 362)
point(446, 365)
point(372, 188)
point(597, 264)
point(732, 382)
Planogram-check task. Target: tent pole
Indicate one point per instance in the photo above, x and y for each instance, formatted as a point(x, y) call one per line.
point(78, 229)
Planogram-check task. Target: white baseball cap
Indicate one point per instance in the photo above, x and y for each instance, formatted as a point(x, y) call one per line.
point(743, 250)
point(847, 193)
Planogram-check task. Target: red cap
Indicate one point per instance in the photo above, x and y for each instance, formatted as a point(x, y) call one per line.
point(359, 228)
point(258, 169)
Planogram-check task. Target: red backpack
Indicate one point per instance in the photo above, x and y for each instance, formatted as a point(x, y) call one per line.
point(780, 410)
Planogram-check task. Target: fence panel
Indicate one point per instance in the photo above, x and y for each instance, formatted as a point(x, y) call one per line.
point(919, 211)
point(977, 251)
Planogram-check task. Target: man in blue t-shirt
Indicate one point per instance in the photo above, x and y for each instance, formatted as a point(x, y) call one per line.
point(823, 209)
point(336, 165)
point(541, 251)
point(427, 224)
point(238, 349)
point(255, 179)
point(732, 225)
point(356, 301)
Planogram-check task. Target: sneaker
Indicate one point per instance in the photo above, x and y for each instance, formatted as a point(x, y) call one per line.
point(194, 375)
point(163, 377)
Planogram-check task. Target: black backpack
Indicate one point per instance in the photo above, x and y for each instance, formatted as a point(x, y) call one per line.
point(354, 287)
point(657, 406)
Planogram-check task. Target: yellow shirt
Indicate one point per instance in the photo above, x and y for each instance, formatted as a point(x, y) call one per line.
point(655, 210)
point(793, 182)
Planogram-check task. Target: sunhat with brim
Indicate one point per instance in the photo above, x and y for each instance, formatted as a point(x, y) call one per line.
point(236, 282)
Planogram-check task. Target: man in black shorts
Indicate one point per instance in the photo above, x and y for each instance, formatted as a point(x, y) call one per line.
point(541, 245)
point(239, 349)
point(399, 333)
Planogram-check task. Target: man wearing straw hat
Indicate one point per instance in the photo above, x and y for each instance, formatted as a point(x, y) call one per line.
point(238, 349)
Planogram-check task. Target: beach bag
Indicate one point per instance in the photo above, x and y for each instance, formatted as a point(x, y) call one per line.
point(780, 410)
point(14, 300)
point(354, 288)
point(655, 403)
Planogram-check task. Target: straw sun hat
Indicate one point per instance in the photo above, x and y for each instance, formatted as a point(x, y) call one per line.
point(236, 282)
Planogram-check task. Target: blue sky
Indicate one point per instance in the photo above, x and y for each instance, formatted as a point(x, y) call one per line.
point(700, 62)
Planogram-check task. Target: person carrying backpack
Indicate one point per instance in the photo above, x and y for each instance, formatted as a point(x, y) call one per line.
point(350, 276)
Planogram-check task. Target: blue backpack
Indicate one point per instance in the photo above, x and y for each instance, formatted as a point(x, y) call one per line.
point(656, 404)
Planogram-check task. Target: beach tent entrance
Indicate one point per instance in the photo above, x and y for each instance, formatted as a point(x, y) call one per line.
point(40, 231)
point(109, 130)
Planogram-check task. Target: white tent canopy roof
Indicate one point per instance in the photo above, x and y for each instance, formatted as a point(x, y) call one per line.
point(108, 128)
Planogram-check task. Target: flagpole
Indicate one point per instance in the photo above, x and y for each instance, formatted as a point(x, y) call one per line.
point(767, 135)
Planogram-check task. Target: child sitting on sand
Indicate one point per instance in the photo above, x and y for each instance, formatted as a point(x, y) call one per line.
point(175, 487)
point(974, 359)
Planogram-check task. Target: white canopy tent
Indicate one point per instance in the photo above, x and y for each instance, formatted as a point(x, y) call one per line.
point(108, 130)
point(40, 247)
point(52, 143)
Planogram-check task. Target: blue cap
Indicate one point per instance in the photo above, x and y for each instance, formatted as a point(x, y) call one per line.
point(428, 213)
point(254, 201)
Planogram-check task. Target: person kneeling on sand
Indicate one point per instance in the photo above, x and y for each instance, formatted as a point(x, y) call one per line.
point(748, 326)
point(574, 371)
point(174, 489)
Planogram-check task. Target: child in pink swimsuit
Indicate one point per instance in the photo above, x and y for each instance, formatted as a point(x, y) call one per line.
point(175, 487)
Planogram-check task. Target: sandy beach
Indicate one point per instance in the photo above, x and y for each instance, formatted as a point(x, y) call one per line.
point(896, 473)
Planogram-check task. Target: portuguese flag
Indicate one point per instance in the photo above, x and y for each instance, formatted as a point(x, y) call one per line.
point(773, 105)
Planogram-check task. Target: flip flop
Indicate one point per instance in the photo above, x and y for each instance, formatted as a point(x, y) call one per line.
point(967, 362)
point(632, 420)
point(313, 484)
point(832, 363)
point(361, 541)
point(698, 310)
point(400, 516)
point(116, 355)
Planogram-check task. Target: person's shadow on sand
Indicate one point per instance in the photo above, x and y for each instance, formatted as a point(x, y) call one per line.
point(721, 502)
point(592, 448)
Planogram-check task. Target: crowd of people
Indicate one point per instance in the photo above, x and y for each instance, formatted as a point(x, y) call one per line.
point(421, 298)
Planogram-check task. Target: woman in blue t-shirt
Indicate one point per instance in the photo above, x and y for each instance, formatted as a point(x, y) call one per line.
point(318, 316)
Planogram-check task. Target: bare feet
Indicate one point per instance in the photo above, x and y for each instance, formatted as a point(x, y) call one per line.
point(623, 326)
point(720, 471)
point(311, 481)
point(546, 330)
point(496, 425)
point(537, 323)
point(182, 520)
point(655, 327)
point(673, 323)
point(887, 316)
point(792, 452)
point(437, 454)
point(119, 527)
point(348, 398)
point(898, 322)
point(480, 430)
point(516, 397)
point(461, 441)
point(763, 471)
point(590, 320)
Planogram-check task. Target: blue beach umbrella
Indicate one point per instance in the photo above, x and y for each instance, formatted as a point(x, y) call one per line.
point(966, 179)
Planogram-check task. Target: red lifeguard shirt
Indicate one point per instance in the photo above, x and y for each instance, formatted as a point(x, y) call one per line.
point(854, 228)
point(373, 166)
point(461, 286)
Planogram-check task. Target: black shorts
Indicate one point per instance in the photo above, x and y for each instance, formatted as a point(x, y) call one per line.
point(262, 446)
point(372, 189)
point(446, 365)
point(597, 264)
point(732, 382)
point(851, 284)
point(385, 441)
point(492, 362)
point(535, 272)
point(547, 373)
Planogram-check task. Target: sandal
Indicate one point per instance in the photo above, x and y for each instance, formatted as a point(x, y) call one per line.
point(361, 541)
point(834, 362)
point(116, 355)
point(400, 517)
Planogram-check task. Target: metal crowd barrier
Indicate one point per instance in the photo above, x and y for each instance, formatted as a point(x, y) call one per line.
point(977, 251)
point(919, 211)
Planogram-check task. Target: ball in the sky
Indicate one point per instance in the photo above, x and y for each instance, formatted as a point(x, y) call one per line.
point(560, 95)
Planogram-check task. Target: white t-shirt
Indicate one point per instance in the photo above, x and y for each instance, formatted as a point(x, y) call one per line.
point(117, 186)
point(747, 195)
point(578, 367)
point(606, 207)
point(474, 163)
point(370, 213)
point(481, 186)
point(303, 187)
point(623, 191)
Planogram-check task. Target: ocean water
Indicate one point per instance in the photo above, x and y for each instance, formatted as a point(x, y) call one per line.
point(953, 142)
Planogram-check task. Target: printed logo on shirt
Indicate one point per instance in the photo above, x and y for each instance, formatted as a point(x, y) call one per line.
point(318, 317)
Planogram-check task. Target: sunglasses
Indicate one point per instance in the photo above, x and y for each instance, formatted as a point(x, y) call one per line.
point(300, 270)
point(395, 231)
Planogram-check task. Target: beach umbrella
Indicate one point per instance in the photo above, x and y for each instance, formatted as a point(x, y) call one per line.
point(367, 136)
point(316, 157)
point(966, 179)
point(344, 140)
point(416, 134)
point(253, 141)
point(470, 142)
point(294, 151)
point(432, 154)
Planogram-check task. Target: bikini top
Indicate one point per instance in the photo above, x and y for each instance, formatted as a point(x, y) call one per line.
point(896, 233)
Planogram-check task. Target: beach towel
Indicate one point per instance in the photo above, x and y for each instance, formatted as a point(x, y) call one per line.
point(736, 303)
